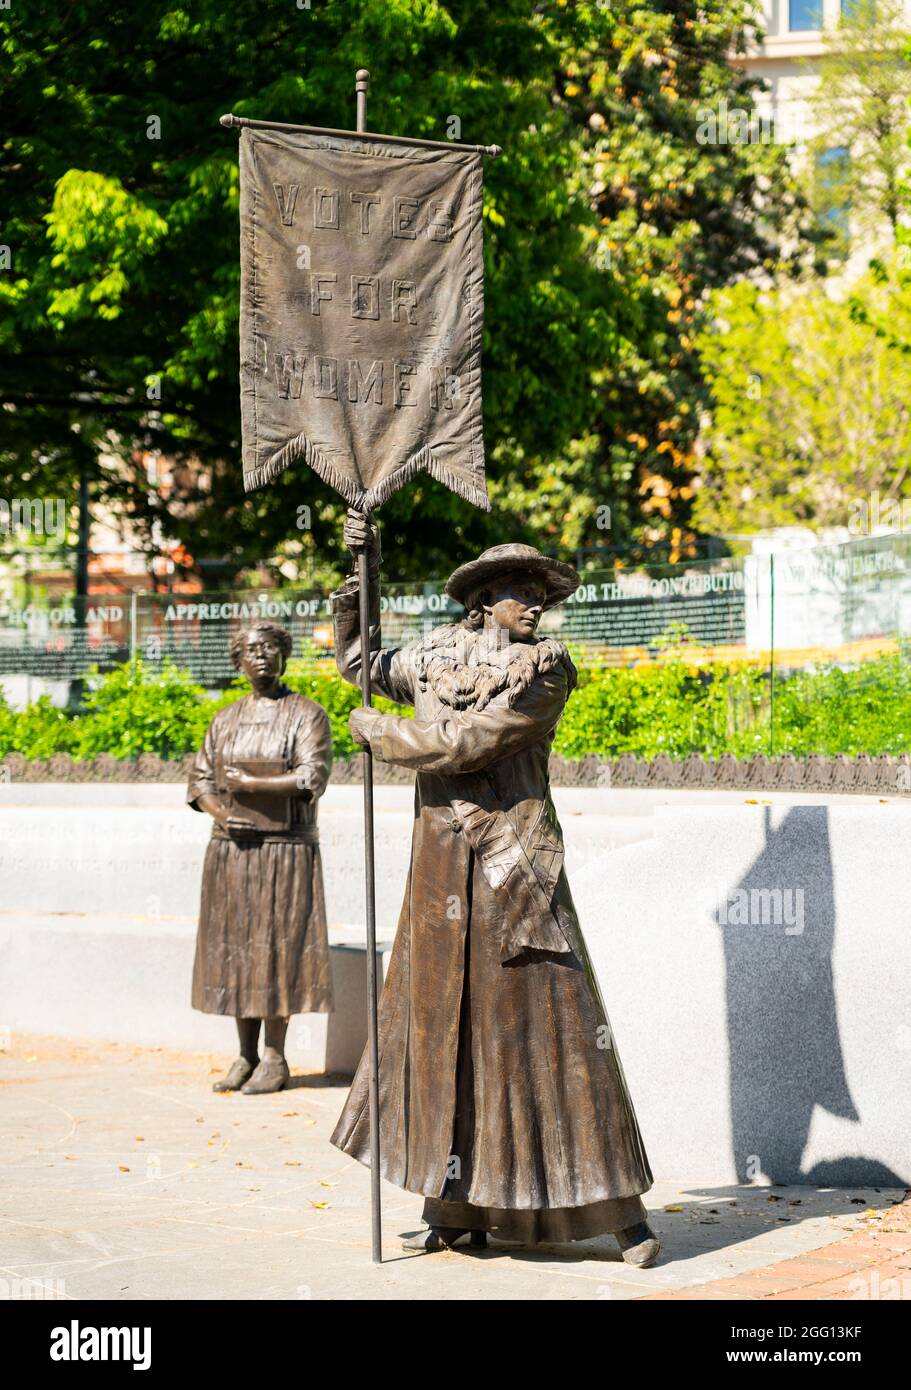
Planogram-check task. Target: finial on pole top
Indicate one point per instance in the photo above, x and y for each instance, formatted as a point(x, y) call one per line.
point(361, 83)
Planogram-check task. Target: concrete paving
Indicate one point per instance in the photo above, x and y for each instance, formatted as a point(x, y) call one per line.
point(125, 1177)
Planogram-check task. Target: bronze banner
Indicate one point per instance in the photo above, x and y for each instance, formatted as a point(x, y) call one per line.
point(362, 300)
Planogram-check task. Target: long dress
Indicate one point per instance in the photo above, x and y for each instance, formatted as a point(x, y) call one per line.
point(262, 947)
point(502, 1096)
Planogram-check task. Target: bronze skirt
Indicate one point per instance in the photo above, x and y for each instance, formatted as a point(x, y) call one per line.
point(557, 1225)
point(522, 1124)
point(262, 949)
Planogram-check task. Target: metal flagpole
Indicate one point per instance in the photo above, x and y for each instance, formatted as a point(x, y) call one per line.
point(362, 81)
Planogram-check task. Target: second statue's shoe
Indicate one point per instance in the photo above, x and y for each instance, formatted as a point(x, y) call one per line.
point(269, 1076)
point(239, 1071)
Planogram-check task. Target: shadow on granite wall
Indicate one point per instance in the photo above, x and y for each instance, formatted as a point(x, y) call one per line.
point(779, 925)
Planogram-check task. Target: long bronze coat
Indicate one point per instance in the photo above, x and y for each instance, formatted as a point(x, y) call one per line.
point(262, 948)
point(502, 1095)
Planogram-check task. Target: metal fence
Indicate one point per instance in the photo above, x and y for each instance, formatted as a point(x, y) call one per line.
point(826, 605)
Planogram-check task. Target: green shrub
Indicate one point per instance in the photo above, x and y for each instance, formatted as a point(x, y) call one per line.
point(669, 707)
point(863, 710)
point(132, 710)
point(38, 731)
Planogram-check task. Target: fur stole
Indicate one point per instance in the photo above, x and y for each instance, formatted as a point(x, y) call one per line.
point(466, 669)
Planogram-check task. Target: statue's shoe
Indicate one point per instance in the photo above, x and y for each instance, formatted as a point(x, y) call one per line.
point(269, 1076)
point(639, 1244)
point(239, 1071)
point(443, 1238)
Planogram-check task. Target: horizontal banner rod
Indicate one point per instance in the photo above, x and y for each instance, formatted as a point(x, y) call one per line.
point(230, 120)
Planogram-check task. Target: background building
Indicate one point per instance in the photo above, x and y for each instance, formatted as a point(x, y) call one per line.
point(799, 36)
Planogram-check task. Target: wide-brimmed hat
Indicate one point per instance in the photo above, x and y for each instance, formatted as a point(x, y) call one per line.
point(560, 579)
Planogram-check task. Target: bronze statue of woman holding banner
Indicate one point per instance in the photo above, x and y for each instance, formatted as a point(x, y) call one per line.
point(262, 952)
point(502, 1097)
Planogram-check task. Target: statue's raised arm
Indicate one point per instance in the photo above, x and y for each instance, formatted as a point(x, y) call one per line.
point(390, 671)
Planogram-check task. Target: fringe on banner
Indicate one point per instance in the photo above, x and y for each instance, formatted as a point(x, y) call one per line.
point(301, 447)
point(423, 461)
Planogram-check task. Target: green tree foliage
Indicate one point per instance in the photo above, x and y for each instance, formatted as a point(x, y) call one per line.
point(684, 206)
point(124, 275)
point(605, 221)
point(811, 406)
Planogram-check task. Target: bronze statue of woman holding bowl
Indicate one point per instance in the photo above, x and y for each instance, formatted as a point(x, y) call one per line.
point(262, 950)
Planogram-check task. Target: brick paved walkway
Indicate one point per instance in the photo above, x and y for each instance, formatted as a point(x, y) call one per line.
point(873, 1263)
